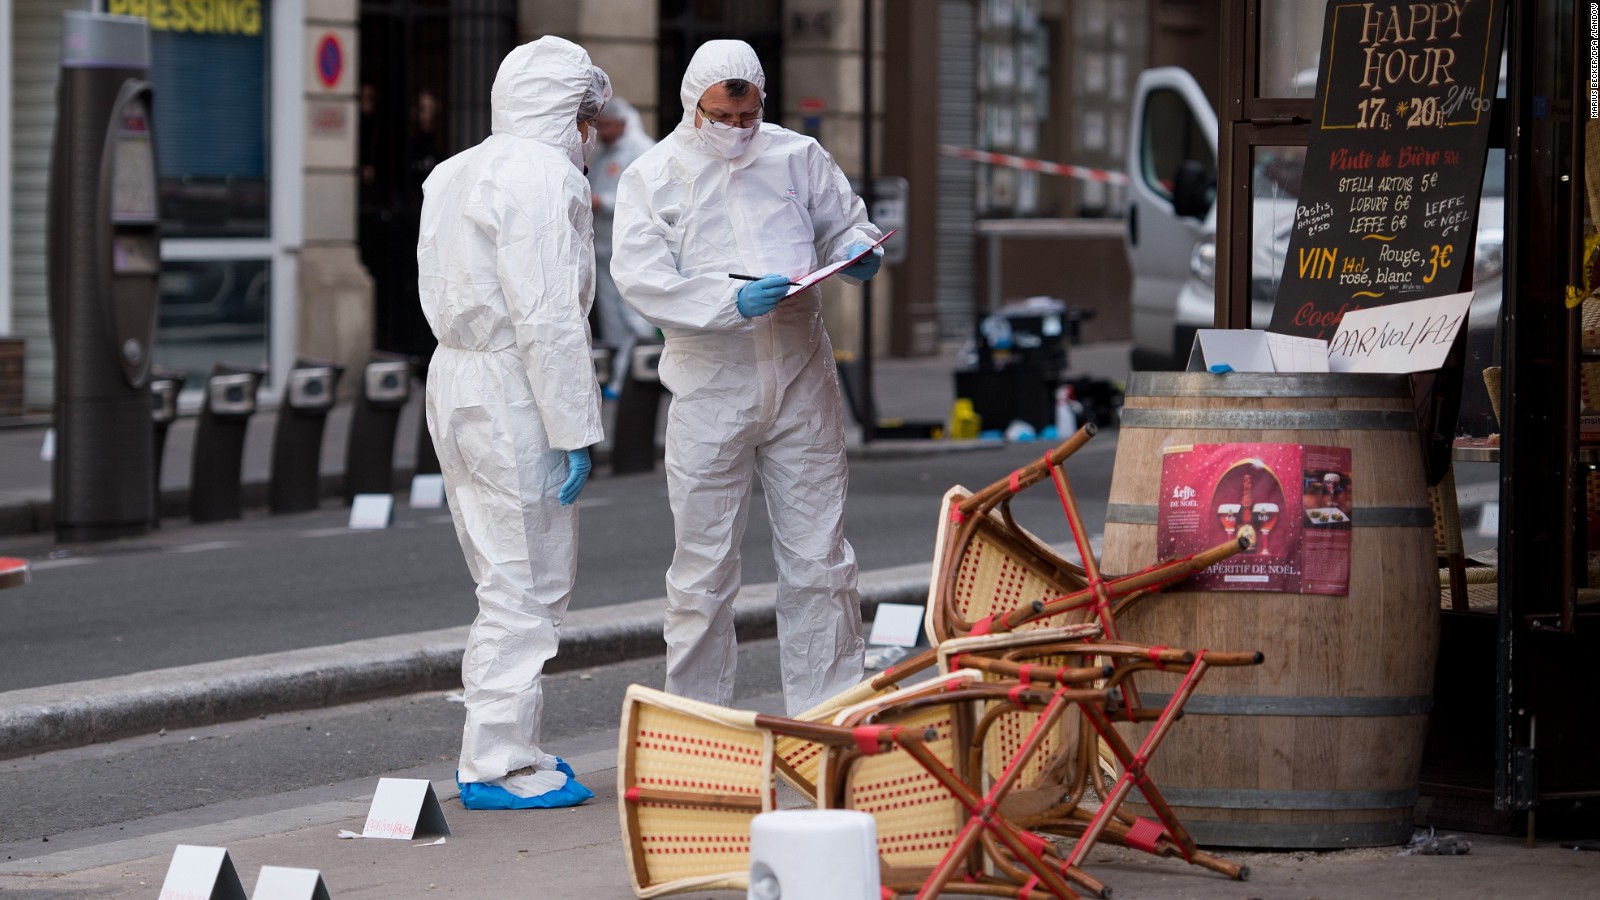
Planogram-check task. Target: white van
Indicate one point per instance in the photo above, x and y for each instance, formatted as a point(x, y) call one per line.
point(1172, 224)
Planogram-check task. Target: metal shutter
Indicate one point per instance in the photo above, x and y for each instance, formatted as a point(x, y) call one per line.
point(36, 62)
point(957, 216)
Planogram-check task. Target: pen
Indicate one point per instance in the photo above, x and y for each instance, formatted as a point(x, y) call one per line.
point(756, 278)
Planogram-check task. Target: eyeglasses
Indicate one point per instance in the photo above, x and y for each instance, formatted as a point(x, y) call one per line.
point(729, 121)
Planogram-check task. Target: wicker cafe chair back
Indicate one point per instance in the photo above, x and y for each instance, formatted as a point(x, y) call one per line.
point(690, 777)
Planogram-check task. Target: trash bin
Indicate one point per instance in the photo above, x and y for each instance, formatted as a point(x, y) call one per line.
point(308, 396)
point(633, 443)
point(230, 401)
point(1021, 357)
point(369, 456)
point(165, 386)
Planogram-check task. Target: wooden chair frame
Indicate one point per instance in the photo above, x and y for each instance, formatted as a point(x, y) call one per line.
point(1035, 657)
point(987, 854)
point(984, 517)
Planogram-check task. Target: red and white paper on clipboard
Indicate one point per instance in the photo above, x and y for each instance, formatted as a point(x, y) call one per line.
point(823, 273)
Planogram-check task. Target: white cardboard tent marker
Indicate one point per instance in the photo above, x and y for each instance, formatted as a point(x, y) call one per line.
point(896, 624)
point(427, 491)
point(1414, 336)
point(403, 808)
point(201, 873)
point(372, 511)
point(284, 883)
point(1251, 350)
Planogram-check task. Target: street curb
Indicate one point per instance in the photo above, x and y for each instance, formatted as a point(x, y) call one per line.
point(55, 717)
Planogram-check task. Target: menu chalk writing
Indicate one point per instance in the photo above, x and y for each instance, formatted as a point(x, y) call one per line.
point(1389, 200)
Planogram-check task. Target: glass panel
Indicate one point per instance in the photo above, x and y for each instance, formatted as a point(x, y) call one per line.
point(1274, 190)
point(1291, 41)
point(212, 311)
point(1483, 317)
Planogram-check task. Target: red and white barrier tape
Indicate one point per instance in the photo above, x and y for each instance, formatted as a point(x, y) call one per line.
point(1103, 176)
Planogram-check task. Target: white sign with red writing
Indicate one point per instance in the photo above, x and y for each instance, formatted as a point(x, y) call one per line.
point(1402, 337)
point(403, 808)
point(201, 873)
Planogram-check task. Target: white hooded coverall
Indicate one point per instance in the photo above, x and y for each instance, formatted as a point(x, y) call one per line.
point(619, 325)
point(506, 262)
point(750, 397)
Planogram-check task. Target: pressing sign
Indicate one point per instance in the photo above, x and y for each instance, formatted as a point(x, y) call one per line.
point(1401, 337)
point(403, 808)
point(201, 873)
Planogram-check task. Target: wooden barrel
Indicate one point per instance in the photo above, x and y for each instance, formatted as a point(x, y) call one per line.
point(1320, 746)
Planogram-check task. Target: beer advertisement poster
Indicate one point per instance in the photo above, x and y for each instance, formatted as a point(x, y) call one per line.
point(1292, 501)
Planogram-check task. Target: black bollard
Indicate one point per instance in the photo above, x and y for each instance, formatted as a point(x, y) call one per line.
point(427, 458)
point(633, 445)
point(297, 439)
point(164, 389)
point(369, 456)
point(230, 400)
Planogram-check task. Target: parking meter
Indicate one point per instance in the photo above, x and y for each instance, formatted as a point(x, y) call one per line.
point(230, 401)
point(104, 261)
point(308, 396)
point(369, 456)
point(165, 387)
point(633, 445)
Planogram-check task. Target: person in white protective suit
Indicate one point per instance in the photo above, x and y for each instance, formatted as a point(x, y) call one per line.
point(622, 139)
point(506, 263)
point(751, 371)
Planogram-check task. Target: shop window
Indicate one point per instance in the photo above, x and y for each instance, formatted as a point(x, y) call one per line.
point(213, 310)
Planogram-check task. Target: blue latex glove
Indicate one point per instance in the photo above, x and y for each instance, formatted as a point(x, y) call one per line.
point(577, 475)
point(759, 297)
point(867, 267)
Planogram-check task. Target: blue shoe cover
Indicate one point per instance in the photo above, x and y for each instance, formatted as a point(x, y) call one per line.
point(607, 393)
point(476, 795)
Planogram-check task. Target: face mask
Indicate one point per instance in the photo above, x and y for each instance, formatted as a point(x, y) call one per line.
point(726, 140)
point(590, 143)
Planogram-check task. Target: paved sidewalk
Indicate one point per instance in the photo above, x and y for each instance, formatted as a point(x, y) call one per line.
point(578, 853)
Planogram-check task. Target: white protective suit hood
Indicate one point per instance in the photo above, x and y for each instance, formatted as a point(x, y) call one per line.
point(713, 63)
point(538, 91)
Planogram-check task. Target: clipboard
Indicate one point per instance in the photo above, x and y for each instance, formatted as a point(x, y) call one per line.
point(825, 272)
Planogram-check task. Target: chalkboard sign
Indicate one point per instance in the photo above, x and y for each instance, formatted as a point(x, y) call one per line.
point(1388, 204)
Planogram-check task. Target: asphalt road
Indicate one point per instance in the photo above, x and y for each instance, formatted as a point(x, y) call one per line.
point(199, 593)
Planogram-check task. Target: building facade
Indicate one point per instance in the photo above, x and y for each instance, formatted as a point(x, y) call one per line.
point(293, 135)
